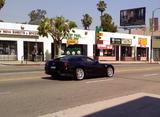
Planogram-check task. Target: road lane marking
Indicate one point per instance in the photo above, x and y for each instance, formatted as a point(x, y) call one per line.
point(26, 78)
point(96, 81)
point(4, 93)
point(148, 75)
point(131, 70)
point(19, 72)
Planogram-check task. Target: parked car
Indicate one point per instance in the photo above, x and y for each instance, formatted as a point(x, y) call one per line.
point(77, 66)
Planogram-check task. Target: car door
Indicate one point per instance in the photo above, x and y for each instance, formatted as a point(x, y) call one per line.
point(92, 67)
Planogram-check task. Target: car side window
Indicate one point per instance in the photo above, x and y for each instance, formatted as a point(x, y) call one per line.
point(88, 60)
point(75, 59)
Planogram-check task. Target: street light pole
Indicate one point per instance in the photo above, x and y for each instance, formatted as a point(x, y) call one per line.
point(152, 30)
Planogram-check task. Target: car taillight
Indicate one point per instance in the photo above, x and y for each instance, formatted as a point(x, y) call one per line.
point(66, 65)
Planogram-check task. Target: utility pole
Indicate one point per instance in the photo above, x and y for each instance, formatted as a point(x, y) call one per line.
point(152, 31)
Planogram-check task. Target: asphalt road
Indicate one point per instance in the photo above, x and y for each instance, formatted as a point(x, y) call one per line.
point(28, 92)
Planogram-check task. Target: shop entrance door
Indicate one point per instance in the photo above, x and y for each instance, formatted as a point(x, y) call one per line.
point(33, 51)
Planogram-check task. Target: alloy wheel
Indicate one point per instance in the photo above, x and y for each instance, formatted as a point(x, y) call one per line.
point(110, 72)
point(80, 74)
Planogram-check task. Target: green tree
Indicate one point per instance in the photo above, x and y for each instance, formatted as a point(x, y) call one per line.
point(107, 23)
point(2, 2)
point(58, 28)
point(36, 16)
point(86, 21)
point(101, 6)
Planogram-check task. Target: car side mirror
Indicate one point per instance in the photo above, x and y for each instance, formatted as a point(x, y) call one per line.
point(96, 61)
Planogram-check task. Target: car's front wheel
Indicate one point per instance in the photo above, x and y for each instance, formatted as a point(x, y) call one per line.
point(110, 72)
point(79, 74)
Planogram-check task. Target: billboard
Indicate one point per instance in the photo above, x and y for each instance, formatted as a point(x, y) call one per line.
point(131, 17)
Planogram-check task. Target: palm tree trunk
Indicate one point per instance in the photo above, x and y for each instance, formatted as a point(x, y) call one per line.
point(55, 49)
point(59, 49)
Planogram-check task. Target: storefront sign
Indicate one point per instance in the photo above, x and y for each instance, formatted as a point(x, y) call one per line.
point(115, 41)
point(73, 51)
point(72, 36)
point(109, 47)
point(18, 32)
point(100, 42)
point(72, 41)
point(126, 41)
point(142, 41)
point(102, 46)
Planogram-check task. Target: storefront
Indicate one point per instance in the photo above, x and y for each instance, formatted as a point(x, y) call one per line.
point(18, 41)
point(142, 50)
point(123, 47)
point(156, 48)
point(78, 42)
point(21, 42)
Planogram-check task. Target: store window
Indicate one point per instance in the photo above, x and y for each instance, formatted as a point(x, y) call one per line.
point(33, 51)
point(142, 52)
point(109, 52)
point(8, 48)
point(126, 51)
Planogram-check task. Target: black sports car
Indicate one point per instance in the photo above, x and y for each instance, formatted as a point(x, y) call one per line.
point(77, 66)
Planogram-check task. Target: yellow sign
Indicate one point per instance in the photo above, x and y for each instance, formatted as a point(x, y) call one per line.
point(142, 41)
point(72, 41)
point(98, 36)
point(126, 41)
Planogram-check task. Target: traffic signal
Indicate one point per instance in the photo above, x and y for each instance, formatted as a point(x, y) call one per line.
point(98, 36)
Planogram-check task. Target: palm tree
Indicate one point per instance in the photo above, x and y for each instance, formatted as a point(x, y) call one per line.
point(101, 6)
point(86, 21)
point(58, 28)
point(2, 2)
point(107, 23)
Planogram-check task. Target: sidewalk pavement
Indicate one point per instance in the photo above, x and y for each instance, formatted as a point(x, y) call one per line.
point(20, 63)
point(25, 63)
point(134, 105)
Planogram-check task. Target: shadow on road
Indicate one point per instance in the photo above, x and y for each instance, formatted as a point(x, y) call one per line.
point(71, 78)
point(59, 78)
point(142, 107)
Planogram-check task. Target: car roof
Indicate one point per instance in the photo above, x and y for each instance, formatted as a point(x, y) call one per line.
point(73, 56)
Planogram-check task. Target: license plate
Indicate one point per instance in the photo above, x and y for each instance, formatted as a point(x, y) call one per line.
point(53, 67)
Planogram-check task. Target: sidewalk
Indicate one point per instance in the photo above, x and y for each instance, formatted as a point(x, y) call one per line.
point(43, 62)
point(24, 63)
point(134, 105)
point(131, 62)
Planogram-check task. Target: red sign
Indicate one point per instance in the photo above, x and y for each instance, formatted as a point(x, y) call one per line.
point(102, 47)
point(100, 42)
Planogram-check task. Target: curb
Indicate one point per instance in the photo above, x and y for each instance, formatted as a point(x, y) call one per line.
point(23, 64)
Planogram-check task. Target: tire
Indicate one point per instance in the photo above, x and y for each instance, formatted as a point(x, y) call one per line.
point(110, 71)
point(79, 74)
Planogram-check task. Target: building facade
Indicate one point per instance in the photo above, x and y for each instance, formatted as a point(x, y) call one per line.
point(22, 42)
point(123, 47)
point(155, 40)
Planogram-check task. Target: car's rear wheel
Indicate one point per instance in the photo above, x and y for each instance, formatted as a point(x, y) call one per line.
point(110, 72)
point(79, 74)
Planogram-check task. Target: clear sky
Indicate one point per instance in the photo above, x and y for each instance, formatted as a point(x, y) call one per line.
point(18, 10)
